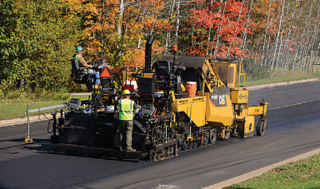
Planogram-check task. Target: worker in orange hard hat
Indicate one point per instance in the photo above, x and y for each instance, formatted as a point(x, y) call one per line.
point(127, 108)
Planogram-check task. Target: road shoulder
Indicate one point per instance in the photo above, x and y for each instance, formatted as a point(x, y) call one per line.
point(19, 121)
point(260, 171)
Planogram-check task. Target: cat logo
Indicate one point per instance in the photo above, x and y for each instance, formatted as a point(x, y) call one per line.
point(243, 96)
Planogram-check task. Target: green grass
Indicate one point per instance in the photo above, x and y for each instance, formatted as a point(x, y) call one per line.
point(282, 75)
point(16, 108)
point(282, 79)
point(301, 174)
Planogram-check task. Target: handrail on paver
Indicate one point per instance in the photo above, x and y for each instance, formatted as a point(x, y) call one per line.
point(28, 139)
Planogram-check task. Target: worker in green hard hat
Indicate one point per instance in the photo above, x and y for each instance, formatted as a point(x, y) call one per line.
point(127, 108)
point(82, 62)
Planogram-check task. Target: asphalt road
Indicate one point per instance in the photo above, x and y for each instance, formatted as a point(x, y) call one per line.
point(290, 131)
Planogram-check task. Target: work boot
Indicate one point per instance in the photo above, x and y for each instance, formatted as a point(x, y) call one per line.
point(131, 150)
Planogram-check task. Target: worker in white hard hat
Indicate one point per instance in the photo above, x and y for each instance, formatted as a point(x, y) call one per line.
point(127, 108)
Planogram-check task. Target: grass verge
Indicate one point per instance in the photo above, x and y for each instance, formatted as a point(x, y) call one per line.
point(16, 108)
point(15, 104)
point(301, 174)
point(284, 79)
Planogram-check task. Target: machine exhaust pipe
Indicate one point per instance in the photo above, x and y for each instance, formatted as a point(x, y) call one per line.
point(147, 65)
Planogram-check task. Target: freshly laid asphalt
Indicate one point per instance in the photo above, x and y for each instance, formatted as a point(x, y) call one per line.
point(291, 130)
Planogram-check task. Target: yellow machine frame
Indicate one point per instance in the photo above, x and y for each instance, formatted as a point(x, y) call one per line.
point(235, 116)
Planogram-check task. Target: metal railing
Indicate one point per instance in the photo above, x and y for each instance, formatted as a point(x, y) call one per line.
point(28, 139)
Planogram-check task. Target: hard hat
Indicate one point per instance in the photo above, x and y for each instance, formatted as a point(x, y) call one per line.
point(79, 48)
point(126, 92)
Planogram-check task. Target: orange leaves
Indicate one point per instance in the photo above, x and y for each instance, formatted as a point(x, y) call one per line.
point(118, 30)
point(225, 22)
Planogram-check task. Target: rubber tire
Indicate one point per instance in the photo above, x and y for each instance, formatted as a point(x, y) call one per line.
point(212, 139)
point(180, 143)
point(261, 127)
point(206, 139)
point(185, 145)
point(227, 135)
point(194, 144)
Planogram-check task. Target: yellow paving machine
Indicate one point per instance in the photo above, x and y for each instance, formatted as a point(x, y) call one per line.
point(186, 102)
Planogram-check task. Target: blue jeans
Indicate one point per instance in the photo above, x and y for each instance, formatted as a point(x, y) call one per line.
point(96, 76)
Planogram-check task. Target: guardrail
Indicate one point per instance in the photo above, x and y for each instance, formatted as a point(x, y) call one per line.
point(28, 139)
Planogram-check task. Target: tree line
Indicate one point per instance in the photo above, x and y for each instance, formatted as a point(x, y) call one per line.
point(38, 37)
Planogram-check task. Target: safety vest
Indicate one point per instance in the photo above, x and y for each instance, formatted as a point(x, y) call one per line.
point(126, 111)
point(77, 57)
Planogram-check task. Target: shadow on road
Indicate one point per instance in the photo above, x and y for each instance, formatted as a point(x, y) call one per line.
point(44, 146)
point(21, 142)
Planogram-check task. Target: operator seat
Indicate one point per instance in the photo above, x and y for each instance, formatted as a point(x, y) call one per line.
point(78, 75)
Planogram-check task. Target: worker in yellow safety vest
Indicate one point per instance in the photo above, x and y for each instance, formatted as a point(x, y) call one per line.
point(127, 108)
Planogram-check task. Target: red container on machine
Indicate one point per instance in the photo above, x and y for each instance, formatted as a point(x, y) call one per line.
point(130, 85)
point(192, 88)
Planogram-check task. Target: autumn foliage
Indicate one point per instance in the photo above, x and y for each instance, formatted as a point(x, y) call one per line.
point(38, 37)
point(117, 34)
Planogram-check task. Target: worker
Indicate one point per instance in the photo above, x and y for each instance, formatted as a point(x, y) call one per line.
point(82, 62)
point(127, 108)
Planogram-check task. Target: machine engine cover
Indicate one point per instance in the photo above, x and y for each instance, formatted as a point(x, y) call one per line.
point(147, 85)
point(163, 69)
